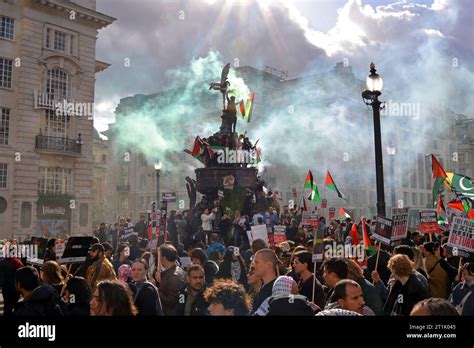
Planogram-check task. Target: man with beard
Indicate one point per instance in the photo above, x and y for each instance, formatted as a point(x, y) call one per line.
point(191, 298)
point(101, 268)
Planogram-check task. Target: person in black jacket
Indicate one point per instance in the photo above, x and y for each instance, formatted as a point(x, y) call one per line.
point(146, 296)
point(78, 296)
point(38, 300)
point(8, 267)
point(191, 298)
point(382, 265)
point(407, 289)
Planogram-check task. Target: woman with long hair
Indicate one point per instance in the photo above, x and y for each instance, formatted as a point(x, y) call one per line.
point(50, 274)
point(112, 298)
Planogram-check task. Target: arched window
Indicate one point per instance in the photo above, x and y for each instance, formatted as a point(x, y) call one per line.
point(57, 84)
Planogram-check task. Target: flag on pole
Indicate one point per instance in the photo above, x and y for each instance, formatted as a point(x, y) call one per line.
point(459, 205)
point(462, 185)
point(309, 183)
point(367, 243)
point(440, 176)
point(330, 184)
point(343, 214)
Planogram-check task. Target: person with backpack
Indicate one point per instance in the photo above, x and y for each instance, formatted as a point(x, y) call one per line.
point(462, 296)
point(38, 300)
point(146, 296)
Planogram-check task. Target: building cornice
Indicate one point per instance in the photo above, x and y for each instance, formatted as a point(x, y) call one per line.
point(99, 20)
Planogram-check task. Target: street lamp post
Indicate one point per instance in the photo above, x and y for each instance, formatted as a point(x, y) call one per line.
point(157, 172)
point(391, 151)
point(370, 96)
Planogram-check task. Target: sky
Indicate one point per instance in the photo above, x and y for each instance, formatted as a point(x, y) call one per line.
point(412, 42)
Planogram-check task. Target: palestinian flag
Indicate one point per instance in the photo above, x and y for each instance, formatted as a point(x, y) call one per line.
point(258, 153)
point(459, 205)
point(196, 147)
point(462, 185)
point(365, 235)
point(242, 108)
point(314, 195)
point(246, 110)
point(343, 214)
point(439, 175)
point(330, 184)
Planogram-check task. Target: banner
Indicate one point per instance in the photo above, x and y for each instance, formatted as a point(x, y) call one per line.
point(279, 234)
point(461, 237)
point(318, 244)
point(77, 249)
point(400, 223)
point(428, 221)
point(383, 230)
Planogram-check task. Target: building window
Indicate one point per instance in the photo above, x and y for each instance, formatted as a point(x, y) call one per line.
point(25, 219)
point(6, 66)
point(57, 126)
point(4, 126)
point(48, 34)
point(57, 84)
point(7, 27)
point(55, 180)
point(59, 41)
point(406, 199)
point(83, 214)
point(3, 175)
point(414, 199)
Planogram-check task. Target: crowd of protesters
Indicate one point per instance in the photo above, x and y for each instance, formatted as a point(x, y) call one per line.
point(205, 264)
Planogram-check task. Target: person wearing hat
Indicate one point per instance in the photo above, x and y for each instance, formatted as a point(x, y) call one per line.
point(463, 293)
point(101, 268)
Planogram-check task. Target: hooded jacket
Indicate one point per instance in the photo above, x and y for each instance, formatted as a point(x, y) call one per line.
point(43, 302)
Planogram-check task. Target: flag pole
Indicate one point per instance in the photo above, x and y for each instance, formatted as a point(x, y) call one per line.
point(377, 259)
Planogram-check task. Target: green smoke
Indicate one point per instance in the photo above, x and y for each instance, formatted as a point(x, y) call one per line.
point(160, 126)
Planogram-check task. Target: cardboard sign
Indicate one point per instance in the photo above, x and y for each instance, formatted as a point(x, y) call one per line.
point(258, 232)
point(324, 203)
point(77, 249)
point(279, 234)
point(309, 219)
point(428, 221)
point(332, 213)
point(400, 223)
point(41, 243)
point(126, 234)
point(383, 230)
point(461, 237)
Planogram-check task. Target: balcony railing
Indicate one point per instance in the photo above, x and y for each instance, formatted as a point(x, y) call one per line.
point(58, 144)
point(123, 188)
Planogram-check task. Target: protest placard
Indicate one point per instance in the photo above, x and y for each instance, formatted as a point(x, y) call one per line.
point(76, 249)
point(60, 246)
point(428, 221)
point(279, 234)
point(400, 223)
point(383, 230)
point(126, 233)
point(309, 219)
point(461, 237)
point(258, 232)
